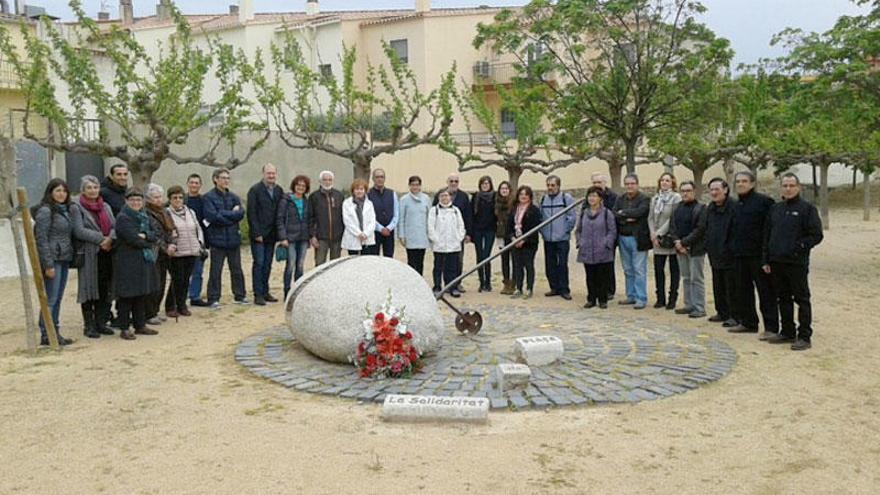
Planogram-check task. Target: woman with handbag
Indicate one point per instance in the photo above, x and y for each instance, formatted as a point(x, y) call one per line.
point(54, 237)
point(189, 239)
point(659, 221)
point(293, 218)
point(93, 224)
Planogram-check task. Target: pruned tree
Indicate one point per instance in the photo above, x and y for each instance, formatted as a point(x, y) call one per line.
point(534, 147)
point(621, 67)
point(358, 122)
point(154, 103)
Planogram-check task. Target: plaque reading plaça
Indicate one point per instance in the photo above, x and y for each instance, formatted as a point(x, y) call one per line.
point(434, 408)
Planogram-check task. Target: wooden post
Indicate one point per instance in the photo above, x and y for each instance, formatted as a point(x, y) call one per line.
point(37, 269)
point(30, 324)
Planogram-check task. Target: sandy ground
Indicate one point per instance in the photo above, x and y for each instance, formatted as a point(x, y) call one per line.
point(176, 414)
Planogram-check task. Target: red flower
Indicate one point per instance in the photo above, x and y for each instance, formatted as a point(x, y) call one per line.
point(394, 322)
point(379, 317)
point(407, 335)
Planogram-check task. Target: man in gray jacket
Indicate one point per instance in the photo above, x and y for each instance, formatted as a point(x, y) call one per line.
point(557, 237)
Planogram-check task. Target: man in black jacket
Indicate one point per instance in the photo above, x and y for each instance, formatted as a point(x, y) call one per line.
point(609, 197)
point(262, 208)
point(326, 226)
point(719, 219)
point(749, 218)
point(687, 227)
point(113, 187)
point(793, 229)
point(631, 210)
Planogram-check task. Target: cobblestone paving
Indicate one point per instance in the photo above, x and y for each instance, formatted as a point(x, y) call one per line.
point(607, 360)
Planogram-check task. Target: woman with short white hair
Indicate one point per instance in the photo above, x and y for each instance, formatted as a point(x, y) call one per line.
point(163, 227)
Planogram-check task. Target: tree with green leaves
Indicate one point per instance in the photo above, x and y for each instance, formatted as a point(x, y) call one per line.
point(618, 68)
point(336, 115)
point(534, 148)
point(154, 103)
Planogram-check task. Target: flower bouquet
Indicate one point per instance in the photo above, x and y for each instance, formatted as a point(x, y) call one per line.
point(386, 349)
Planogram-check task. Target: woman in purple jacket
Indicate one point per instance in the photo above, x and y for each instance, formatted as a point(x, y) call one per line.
point(595, 235)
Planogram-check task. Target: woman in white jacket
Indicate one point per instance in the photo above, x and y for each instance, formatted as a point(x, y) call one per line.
point(359, 219)
point(446, 233)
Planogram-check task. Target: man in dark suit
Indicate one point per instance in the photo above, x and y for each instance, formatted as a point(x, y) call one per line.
point(262, 205)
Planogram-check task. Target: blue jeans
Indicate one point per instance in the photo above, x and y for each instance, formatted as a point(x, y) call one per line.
point(556, 265)
point(54, 293)
point(296, 258)
point(483, 241)
point(195, 283)
point(635, 267)
point(263, 253)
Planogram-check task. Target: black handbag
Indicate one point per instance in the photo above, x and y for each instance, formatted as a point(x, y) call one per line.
point(666, 241)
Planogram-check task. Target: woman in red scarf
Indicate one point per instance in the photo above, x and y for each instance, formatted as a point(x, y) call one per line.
point(93, 222)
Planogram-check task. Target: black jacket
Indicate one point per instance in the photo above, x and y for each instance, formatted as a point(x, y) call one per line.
point(291, 226)
point(484, 214)
point(531, 219)
point(719, 223)
point(222, 231)
point(609, 198)
point(113, 195)
point(637, 208)
point(793, 229)
point(691, 215)
point(463, 203)
point(262, 212)
point(133, 276)
point(749, 216)
point(325, 223)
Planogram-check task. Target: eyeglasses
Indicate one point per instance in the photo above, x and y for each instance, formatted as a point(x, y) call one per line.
point(223, 177)
point(453, 181)
point(686, 190)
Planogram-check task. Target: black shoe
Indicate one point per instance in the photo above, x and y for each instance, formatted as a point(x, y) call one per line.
point(742, 329)
point(566, 296)
point(200, 303)
point(670, 305)
point(64, 340)
point(270, 298)
point(730, 323)
point(589, 305)
point(697, 315)
point(610, 297)
point(603, 305)
point(552, 293)
point(781, 339)
point(801, 345)
point(91, 333)
point(684, 311)
point(488, 287)
point(105, 330)
point(259, 301)
point(481, 289)
point(44, 340)
point(626, 302)
point(660, 304)
point(717, 319)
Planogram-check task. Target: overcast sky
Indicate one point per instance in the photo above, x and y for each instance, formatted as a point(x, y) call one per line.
point(748, 24)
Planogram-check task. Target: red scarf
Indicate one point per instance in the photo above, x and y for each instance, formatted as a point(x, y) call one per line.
point(97, 209)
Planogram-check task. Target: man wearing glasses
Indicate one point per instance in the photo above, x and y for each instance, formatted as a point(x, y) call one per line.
point(223, 212)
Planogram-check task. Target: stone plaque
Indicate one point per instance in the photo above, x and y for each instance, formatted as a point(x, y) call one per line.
point(434, 408)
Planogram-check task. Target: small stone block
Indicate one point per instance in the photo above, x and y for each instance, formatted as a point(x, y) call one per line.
point(538, 351)
point(419, 408)
point(510, 376)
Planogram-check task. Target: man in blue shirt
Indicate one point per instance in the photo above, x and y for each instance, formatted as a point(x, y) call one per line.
point(387, 208)
point(557, 237)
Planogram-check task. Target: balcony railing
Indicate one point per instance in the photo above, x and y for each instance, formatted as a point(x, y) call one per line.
point(493, 73)
point(8, 76)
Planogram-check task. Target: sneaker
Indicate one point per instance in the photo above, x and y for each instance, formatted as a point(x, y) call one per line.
point(716, 319)
point(529, 294)
point(697, 314)
point(162, 318)
point(243, 300)
point(801, 345)
point(436, 293)
point(199, 303)
point(259, 301)
point(516, 295)
point(214, 305)
point(684, 311)
point(154, 321)
point(640, 305)
point(270, 298)
point(730, 323)
point(455, 293)
point(626, 302)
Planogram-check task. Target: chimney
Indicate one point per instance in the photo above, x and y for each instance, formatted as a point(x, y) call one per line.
point(163, 10)
point(126, 12)
point(245, 11)
point(103, 16)
point(312, 7)
point(423, 6)
point(233, 10)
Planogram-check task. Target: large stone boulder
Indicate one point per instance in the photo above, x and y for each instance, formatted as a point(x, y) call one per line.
point(327, 306)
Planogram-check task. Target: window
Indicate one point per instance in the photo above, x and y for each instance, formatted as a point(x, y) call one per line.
point(401, 47)
point(508, 125)
point(535, 52)
point(326, 72)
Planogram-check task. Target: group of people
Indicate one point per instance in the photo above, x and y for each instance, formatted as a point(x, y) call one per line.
point(127, 243)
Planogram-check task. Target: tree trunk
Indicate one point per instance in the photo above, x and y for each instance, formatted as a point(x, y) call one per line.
point(815, 183)
point(513, 175)
point(823, 196)
point(729, 169)
point(631, 157)
point(866, 183)
point(141, 174)
point(698, 180)
point(615, 167)
point(855, 177)
point(362, 167)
